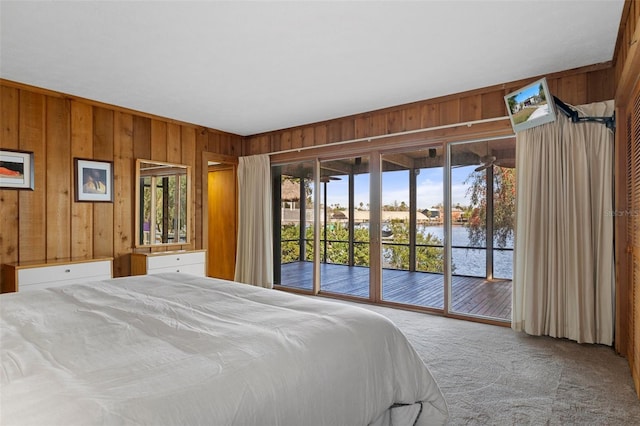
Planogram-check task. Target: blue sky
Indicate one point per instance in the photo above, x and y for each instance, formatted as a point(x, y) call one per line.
point(528, 92)
point(395, 187)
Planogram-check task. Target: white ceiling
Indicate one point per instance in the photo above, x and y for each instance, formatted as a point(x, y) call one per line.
point(251, 67)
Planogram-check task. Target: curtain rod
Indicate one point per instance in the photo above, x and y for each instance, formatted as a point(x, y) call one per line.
point(389, 135)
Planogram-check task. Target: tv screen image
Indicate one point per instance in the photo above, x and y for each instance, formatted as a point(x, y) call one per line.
point(530, 106)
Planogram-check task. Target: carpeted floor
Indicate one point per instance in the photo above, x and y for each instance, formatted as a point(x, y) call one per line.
point(494, 376)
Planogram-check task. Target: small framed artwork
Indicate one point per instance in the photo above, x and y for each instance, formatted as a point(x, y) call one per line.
point(16, 170)
point(94, 180)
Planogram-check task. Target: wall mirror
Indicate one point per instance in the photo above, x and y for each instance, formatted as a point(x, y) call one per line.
point(162, 203)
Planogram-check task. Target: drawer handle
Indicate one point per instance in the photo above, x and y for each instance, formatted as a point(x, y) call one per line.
point(178, 270)
point(177, 258)
point(67, 270)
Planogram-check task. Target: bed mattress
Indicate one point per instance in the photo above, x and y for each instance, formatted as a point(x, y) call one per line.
point(174, 349)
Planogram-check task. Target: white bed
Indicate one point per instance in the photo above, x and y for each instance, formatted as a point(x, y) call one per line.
point(175, 349)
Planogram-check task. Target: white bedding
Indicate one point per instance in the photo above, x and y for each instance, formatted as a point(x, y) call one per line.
point(175, 349)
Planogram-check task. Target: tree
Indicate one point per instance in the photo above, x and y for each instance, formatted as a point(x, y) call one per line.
point(396, 255)
point(541, 93)
point(504, 206)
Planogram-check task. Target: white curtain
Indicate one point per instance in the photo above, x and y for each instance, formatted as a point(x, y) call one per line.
point(254, 255)
point(563, 262)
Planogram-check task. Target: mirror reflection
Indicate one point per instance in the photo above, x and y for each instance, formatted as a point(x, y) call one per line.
point(162, 192)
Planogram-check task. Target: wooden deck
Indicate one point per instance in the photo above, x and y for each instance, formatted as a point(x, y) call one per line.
point(470, 295)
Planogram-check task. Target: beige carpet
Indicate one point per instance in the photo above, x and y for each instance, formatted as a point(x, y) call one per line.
point(494, 376)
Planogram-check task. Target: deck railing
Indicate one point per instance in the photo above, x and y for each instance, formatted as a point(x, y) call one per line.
point(438, 268)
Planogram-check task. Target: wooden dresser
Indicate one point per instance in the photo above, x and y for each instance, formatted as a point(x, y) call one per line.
point(188, 261)
point(27, 276)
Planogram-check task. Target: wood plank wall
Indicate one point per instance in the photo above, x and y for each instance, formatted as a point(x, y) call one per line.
point(628, 27)
point(580, 86)
point(47, 223)
point(627, 74)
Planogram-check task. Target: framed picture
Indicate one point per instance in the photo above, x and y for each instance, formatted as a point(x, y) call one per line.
point(16, 170)
point(94, 180)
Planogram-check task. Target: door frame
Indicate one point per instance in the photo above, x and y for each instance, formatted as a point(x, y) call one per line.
point(207, 158)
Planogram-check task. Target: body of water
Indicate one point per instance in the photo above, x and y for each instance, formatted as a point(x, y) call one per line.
point(473, 261)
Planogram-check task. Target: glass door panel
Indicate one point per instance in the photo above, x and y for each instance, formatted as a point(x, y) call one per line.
point(293, 225)
point(344, 226)
point(412, 228)
point(482, 222)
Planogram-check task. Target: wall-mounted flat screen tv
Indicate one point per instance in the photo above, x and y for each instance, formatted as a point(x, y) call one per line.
point(531, 106)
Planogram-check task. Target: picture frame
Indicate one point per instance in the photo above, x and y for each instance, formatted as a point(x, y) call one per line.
point(93, 180)
point(16, 170)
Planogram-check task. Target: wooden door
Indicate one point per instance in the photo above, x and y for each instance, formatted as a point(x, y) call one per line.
point(222, 221)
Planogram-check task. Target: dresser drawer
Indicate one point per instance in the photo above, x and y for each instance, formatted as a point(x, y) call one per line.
point(71, 272)
point(189, 262)
point(175, 260)
point(30, 276)
point(193, 269)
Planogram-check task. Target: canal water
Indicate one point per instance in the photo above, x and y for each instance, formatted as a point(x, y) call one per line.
point(473, 261)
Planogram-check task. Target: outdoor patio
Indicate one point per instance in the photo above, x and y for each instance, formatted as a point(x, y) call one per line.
point(470, 295)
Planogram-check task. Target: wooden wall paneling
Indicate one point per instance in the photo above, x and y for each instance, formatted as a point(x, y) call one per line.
point(285, 141)
point(275, 141)
point(236, 142)
point(308, 136)
point(103, 140)
point(377, 124)
point(141, 137)
point(123, 191)
point(348, 129)
point(429, 115)
point(470, 108)
point(48, 222)
point(362, 129)
point(600, 85)
point(32, 204)
point(412, 118)
point(449, 112)
point(158, 140)
point(319, 134)
point(396, 121)
point(210, 143)
point(81, 147)
point(200, 172)
point(59, 177)
point(224, 144)
point(188, 157)
point(9, 139)
point(492, 105)
point(174, 143)
point(264, 143)
point(334, 131)
point(297, 137)
point(572, 89)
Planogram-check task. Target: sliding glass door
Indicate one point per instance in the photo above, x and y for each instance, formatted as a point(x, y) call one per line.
point(482, 206)
point(344, 226)
point(413, 228)
point(293, 201)
point(430, 228)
